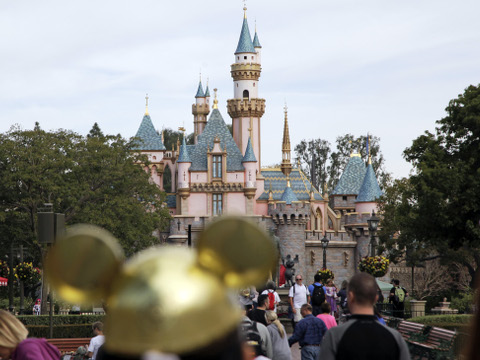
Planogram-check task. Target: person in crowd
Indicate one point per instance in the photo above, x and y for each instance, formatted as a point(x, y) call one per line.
point(80, 354)
point(397, 297)
point(342, 294)
point(15, 345)
point(362, 336)
point(259, 314)
point(256, 335)
point(331, 295)
point(37, 307)
point(273, 297)
point(245, 297)
point(281, 349)
point(325, 316)
point(317, 294)
point(97, 341)
point(297, 296)
point(308, 333)
point(379, 316)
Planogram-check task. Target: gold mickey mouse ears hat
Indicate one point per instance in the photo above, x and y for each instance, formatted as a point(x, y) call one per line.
point(168, 299)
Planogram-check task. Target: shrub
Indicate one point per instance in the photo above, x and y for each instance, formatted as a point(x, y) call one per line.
point(435, 320)
point(59, 320)
point(61, 331)
point(463, 303)
point(27, 302)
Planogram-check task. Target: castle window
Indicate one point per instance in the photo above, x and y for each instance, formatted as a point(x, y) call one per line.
point(252, 57)
point(344, 198)
point(217, 166)
point(238, 57)
point(244, 58)
point(217, 204)
point(245, 94)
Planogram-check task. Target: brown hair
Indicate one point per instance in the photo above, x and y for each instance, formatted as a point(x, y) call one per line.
point(364, 288)
point(12, 331)
point(97, 325)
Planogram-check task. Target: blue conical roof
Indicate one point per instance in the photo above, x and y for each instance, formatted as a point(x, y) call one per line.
point(200, 92)
point(370, 191)
point(184, 157)
point(256, 42)
point(249, 153)
point(352, 177)
point(245, 44)
point(147, 137)
point(207, 92)
point(288, 196)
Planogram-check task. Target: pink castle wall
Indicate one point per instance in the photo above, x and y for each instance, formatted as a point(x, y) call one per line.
point(236, 203)
point(197, 204)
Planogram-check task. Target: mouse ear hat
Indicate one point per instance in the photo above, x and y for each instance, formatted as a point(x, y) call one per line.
point(166, 299)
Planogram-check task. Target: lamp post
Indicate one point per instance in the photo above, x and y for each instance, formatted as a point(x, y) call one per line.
point(372, 227)
point(325, 242)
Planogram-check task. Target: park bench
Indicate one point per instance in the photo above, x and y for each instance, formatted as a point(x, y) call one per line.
point(69, 345)
point(439, 344)
point(411, 331)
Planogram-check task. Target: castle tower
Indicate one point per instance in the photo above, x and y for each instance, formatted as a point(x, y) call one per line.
point(286, 151)
point(246, 108)
point(200, 110)
point(369, 192)
point(184, 163)
point(249, 163)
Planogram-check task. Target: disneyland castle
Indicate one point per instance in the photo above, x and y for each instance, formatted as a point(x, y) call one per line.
point(222, 174)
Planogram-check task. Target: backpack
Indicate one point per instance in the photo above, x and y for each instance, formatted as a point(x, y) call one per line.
point(252, 336)
point(318, 295)
point(400, 294)
point(271, 300)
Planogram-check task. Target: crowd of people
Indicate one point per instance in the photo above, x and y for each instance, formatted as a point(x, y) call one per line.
point(316, 312)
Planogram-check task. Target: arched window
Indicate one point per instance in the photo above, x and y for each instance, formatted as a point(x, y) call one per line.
point(245, 94)
point(167, 179)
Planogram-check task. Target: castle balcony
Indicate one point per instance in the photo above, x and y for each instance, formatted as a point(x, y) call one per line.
point(200, 109)
point(245, 71)
point(238, 108)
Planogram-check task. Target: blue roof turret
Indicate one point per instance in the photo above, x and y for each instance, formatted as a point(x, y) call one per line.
point(352, 177)
point(147, 137)
point(245, 44)
point(256, 42)
point(288, 196)
point(370, 190)
point(184, 157)
point(207, 92)
point(249, 154)
point(200, 92)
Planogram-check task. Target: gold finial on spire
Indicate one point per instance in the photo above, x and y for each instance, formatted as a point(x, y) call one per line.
point(368, 149)
point(245, 9)
point(215, 101)
point(286, 165)
point(146, 105)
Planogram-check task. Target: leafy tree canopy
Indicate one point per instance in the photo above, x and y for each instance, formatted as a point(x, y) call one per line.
point(328, 164)
point(92, 179)
point(438, 207)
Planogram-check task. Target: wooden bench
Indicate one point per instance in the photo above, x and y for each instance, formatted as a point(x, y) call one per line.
point(438, 345)
point(412, 331)
point(69, 345)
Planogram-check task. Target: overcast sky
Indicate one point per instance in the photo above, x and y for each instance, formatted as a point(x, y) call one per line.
point(345, 66)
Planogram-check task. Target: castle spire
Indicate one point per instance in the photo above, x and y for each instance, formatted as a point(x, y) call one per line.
point(286, 166)
point(215, 101)
point(146, 105)
point(245, 44)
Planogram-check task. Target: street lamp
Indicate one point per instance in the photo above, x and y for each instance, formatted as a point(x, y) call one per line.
point(372, 227)
point(325, 242)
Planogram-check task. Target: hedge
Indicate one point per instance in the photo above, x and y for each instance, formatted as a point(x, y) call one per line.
point(61, 331)
point(59, 320)
point(438, 320)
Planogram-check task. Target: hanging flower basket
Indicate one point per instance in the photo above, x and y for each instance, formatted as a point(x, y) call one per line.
point(376, 266)
point(326, 274)
point(4, 269)
point(27, 273)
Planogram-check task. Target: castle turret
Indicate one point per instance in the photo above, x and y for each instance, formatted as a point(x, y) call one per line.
point(369, 192)
point(246, 108)
point(184, 162)
point(249, 163)
point(257, 46)
point(286, 165)
point(200, 110)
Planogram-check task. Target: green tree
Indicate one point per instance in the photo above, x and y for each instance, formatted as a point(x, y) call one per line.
point(93, 179)
point(329, 164)
point(438, 207)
